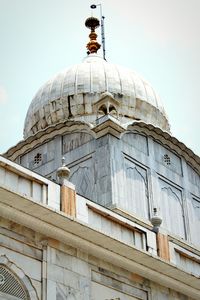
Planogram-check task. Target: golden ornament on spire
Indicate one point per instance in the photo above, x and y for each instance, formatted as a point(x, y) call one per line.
point(93, 46)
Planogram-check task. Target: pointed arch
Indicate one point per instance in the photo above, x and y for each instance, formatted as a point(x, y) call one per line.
point(83, 181)
point(14, 283)
point(136, 190)
point(171, 208)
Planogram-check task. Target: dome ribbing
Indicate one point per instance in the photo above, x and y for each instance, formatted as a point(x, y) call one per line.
point(74, 92)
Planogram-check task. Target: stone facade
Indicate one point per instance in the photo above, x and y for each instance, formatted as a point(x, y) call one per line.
point(131, 171)
point(93, 253)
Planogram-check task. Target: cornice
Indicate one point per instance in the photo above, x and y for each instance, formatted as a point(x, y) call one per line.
point(167, 140)
point(57, 225)
point(105, 125)
point(44, 136)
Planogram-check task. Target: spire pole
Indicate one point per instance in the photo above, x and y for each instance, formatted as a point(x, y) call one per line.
point(93, 6)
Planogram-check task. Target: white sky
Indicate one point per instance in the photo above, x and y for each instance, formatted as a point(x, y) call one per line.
point(159, 39)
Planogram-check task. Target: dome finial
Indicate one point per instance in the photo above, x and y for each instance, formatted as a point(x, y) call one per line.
point(93, 46)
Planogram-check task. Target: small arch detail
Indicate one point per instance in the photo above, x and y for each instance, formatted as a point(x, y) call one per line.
point(14, 282)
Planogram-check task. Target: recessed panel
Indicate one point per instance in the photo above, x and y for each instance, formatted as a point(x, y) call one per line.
point(75, 140)
point(167, 158)
point(135, 189)
point(101, 292)
point(170, 203)
point(137, 141)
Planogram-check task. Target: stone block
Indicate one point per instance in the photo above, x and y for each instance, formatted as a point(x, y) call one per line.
point(82, 209)
point(59, 114)
point(55, 273)
point(68, 201)
point(54, 117)
point(163, 246)
point(71, 279)
point(11, 179)
point(2, 175)
point(80, 267)
point(64, 260)
point(51, 290)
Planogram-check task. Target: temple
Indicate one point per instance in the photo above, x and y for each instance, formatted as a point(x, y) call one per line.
point(99, 201)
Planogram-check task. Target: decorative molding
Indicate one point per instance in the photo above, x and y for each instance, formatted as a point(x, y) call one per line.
point(44, 136)
point(107, 125)
point(20, 276)
point(55, 225)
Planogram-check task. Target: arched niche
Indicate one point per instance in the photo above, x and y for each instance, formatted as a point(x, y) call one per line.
point(136, 190)
point(14, 283)
point(83, 178)
point(107, 104)
point(171, 208)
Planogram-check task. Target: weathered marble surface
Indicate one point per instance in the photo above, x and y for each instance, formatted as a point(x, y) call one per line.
point(74, 93)
point(134, 173)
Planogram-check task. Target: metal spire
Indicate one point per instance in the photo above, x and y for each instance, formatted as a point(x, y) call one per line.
point(93, 6)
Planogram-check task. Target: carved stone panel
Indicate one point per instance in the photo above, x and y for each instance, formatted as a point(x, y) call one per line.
point(188, 262)
point(75, 140)
point(103, 171)
point(136, 189)
point(137, 141)
point(101, 292)
point(171, 208)
point(194, 220)
point(117, 231)
point(66, 293)
point(39, 156)
point(108, 287)
point(193, 176)
point(82, 175)
point(167, 158)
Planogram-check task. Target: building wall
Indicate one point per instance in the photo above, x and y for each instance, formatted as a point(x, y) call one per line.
point(21, 248)
point(166, 182)
point(57, 271)
point(134, 173)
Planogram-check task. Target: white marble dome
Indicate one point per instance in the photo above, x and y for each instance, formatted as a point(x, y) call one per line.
point(78, 92)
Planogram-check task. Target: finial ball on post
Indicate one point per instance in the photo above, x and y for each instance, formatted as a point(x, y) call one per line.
point(92, 23)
